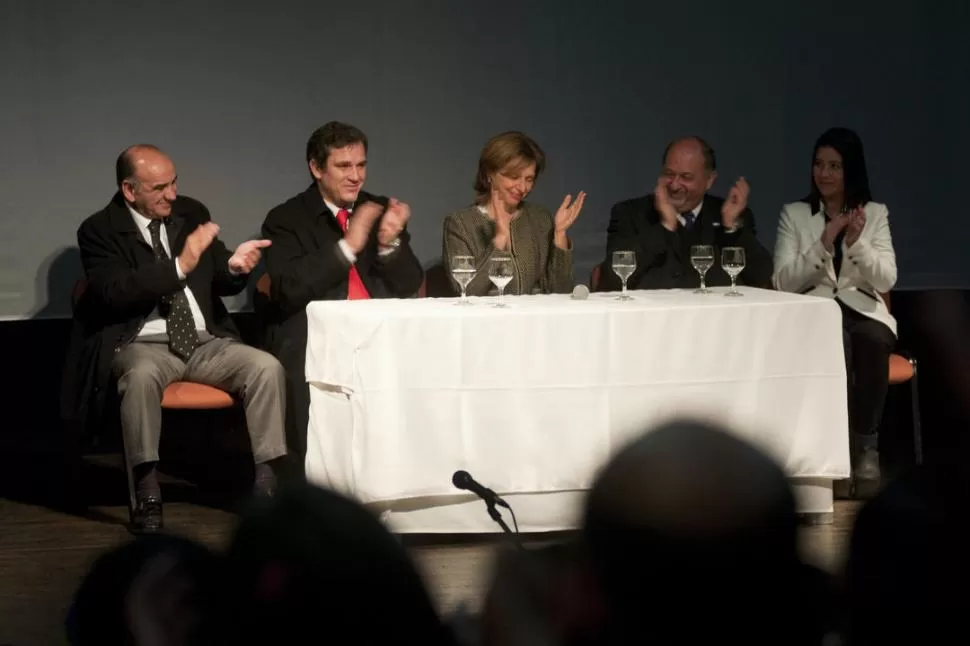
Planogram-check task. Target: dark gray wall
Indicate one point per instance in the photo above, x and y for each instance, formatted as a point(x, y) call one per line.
point(231, 91)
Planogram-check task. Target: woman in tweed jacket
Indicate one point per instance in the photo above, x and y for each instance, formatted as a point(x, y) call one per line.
point(501, 220)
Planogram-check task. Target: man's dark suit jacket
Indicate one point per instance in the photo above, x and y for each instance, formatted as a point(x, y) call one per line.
point(124, 285)
point(663, 257)
point(306, 264)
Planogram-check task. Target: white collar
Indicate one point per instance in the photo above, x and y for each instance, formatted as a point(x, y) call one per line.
point(139, 219)
point(697, 209)
point(336, 209)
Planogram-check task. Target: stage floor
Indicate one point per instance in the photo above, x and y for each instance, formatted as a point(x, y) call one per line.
point(44, 554)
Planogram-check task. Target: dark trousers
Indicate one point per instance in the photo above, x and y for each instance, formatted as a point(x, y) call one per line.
point(287, 342)
point(868, 344)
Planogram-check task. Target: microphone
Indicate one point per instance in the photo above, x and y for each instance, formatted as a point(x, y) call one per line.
point(580, 293)
point(463, 480)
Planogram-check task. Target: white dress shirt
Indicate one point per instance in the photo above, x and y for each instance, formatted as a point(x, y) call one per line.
point(697, 212)
point(154, 323)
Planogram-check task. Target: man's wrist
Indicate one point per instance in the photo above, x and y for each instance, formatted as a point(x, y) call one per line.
point(347, 250)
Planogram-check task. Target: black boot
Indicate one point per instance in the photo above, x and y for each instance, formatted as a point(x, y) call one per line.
point(866, 475)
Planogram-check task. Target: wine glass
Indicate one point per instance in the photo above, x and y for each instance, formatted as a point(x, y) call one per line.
point(500, 272)
point(624, 264)
point(702, 257)
point(463, 271)
point(732, 260)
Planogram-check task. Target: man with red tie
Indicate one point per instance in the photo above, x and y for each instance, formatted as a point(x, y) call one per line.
point(333, 241)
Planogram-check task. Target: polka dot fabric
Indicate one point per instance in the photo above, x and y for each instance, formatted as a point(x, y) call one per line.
point(174, 308)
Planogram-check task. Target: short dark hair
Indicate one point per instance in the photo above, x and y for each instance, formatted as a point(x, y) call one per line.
point(125, 164)
point(333, 134)
point(710, 158)
point(854, 174)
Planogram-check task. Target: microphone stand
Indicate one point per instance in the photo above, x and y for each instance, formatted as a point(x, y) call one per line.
point(496, 515)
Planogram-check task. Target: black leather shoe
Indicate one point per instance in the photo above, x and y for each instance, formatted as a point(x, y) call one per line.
point(866, 474)
point(147, 516)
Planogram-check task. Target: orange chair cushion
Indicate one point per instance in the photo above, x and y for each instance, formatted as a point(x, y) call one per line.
point(900, 369)
point(185, 394)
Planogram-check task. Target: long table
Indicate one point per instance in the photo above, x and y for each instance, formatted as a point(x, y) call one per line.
point(534, 398)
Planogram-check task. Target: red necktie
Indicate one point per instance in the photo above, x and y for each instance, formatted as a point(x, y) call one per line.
point(355, 286)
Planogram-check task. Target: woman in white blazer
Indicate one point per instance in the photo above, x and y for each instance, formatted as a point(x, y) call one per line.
point(836, 243)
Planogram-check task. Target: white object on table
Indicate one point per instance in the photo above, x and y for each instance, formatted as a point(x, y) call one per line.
point(533, 399)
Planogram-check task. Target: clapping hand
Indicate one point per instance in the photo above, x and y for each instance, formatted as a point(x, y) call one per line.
point(247, 256)
point(360, 225)
point(569, 211)
point(195, 245)
point(735, 204)
point(857, 222)
point(565, 216)
point(661, 202)
point(832, 230)
point(395, 218)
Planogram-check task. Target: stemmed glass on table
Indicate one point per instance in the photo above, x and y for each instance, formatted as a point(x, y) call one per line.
point(624, 264)
point(702, 257)
point(463, 271)
point(732, 260)
point(500, 272)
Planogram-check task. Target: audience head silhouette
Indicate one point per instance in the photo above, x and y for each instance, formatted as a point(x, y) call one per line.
point(690, 516)
point(310, 558)
point(909, 552)
point(156, 589)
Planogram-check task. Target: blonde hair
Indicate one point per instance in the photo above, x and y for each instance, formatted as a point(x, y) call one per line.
point(501, 151)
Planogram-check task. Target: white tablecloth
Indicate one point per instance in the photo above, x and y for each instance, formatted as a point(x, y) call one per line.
point(534, 398)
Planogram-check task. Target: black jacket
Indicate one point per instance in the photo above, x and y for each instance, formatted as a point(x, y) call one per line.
point(306, 264)
point(663, 257)
point(124, 285)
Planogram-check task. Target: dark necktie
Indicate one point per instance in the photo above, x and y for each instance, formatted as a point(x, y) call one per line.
point(689, 219)
point(174, 308)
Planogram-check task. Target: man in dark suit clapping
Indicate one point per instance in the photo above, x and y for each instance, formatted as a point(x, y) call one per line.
point(333, 241)
point(152, 309)
point(662, 227)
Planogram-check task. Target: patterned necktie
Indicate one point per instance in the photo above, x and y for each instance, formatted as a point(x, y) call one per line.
point(689, 218)
point(355, 286)
point(174, 308)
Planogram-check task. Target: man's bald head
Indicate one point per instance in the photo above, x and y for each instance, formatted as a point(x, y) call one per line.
point(689, 171)
point(147, 180)
point(693, 145)
point(129, 159)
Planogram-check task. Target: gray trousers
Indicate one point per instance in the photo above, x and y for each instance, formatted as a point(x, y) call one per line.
point(145, 367)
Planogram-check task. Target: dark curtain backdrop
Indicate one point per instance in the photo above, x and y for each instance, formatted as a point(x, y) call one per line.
point(231, 91)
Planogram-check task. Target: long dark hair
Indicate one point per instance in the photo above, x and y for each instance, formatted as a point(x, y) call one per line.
point(854, 175)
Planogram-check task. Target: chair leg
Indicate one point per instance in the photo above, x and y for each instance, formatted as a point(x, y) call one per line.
point(75, 491)
point(917, 430)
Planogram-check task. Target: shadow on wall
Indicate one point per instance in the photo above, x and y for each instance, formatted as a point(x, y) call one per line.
point(436, 281)
point(245, 302)
point(55, 280)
